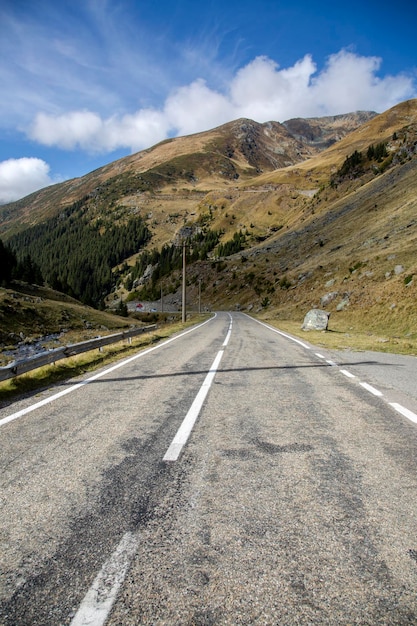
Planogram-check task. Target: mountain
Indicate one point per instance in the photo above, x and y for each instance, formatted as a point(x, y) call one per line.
point(235, 151)
point(279, 218)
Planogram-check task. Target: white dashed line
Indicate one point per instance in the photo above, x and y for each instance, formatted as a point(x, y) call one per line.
point(98, 602)
point(229, 332)
point(371, 389)
point(190, 419)
point(347, 373)
point(406, 412)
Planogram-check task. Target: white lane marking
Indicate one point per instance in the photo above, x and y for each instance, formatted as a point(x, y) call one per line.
point(279, 332)
point(371, 389)
point(226, 341)
point(187, 425)
point(28, 409)
point(406, 412)
point(398, 407)
point(98, 601)
point(347, 373)
point(38, 405)
point(331, 363)
point(229, 332)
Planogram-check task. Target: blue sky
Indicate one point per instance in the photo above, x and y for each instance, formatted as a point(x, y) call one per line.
point(84, 82)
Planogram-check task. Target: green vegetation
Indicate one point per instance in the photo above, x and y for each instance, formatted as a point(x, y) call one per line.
point(28, 312)
point(76, 255)
point(236, 244)
point(352, 166)
point(300, 238)
point(169, 259)
point(378, 152)
point(12, 269)
point(356, 266)
point(356, 163)
point(284, 283)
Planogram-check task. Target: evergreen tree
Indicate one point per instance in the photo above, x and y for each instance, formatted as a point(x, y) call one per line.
point(77, 255)
point(8, 263)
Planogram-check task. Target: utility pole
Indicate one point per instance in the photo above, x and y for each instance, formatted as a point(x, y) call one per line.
point(184, 312)
point(199, 296)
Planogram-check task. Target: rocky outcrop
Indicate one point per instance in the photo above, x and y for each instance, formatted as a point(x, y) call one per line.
point(322, 132)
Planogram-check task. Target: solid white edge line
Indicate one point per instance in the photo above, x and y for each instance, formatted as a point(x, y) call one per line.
point(98, 601)
point(187, 425)
point(406, 412)
point(371, 389)
point(58, 395)
point(279, 332)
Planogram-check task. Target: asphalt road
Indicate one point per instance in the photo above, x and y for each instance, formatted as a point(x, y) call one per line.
point(289, 497)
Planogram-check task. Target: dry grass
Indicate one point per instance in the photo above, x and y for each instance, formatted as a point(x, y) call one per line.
point(340, 336)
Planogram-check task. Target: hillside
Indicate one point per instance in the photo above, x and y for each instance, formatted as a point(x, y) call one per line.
point(36, 318)
point(279, 218)
point(210, 160)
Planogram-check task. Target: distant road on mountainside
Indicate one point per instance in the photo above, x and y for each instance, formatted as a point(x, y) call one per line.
point(232, 474)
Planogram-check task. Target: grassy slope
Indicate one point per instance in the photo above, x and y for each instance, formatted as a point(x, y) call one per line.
point(28, 313)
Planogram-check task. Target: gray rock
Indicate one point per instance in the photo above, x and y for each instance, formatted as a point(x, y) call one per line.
point(328, 297)
point(398, 269)
point(316, 319)
point(343, 304)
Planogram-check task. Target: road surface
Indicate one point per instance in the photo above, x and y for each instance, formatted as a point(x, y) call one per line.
point(230, 475)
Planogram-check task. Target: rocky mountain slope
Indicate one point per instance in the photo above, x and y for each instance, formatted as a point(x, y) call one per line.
point(236, 151)
point(319, 212)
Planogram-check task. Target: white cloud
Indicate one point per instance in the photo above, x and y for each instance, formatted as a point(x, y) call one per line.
point(86, 130)
point(351, 79)
point(139, 130)
point(20, 177)
point(71, 130)
point(261, 90)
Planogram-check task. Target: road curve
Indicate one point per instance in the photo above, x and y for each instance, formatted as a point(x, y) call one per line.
point(292, 499)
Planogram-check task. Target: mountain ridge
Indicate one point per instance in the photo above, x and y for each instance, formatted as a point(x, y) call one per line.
point(281, 238)
point(232, 148)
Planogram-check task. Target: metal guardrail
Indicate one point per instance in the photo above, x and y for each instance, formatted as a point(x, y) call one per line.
point(51, 356)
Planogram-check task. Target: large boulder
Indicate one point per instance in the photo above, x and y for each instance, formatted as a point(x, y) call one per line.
point(316, 319)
